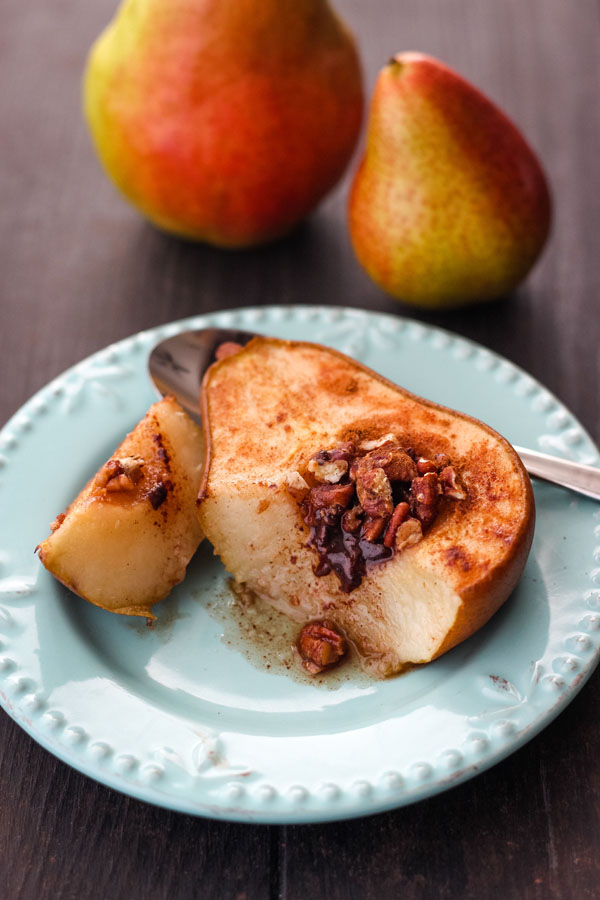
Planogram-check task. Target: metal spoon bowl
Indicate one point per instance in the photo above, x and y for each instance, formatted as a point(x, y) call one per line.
point(177, 366)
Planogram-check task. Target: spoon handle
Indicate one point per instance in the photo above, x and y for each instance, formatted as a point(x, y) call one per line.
point(575, 476)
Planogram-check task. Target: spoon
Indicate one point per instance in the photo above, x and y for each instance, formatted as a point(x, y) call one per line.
point(177, 366)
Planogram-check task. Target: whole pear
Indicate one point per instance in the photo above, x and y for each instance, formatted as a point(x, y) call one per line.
point(224, 120)
point(449, 205)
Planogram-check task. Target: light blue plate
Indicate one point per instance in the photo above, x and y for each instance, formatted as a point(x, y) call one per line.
point(177, 717)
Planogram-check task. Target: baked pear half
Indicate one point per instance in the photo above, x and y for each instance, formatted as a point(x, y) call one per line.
point(351, 504)
point(127, 538)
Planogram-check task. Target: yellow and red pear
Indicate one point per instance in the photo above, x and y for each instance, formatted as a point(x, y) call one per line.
point(221, 121)
point(449, 205)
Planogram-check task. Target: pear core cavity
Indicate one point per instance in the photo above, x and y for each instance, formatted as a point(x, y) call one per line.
point(369, 502)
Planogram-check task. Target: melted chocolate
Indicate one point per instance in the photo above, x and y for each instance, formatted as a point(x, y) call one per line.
point(341, 552)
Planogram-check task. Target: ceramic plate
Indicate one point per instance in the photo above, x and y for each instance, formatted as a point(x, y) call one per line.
point(180, 717)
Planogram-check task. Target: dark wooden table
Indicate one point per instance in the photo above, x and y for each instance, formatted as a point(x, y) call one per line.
point(80, 269)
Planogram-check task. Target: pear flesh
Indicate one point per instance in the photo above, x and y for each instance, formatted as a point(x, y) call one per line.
point(267, 411)
point(127, 538)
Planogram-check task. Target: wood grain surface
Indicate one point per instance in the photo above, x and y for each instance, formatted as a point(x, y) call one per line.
point(80, 269)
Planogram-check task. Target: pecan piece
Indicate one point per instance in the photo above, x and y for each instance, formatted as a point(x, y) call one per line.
point(352, 519)
point(320, 647)
point(355, 468)
point(332, 465)
point(425, 498)
point(324, 504)
point(120, 474)
point(346, 451)
point(425, 465)
point(450, 484)
point(410, 532)
point(373, 529)
point(331, 495)
point(395, 462)
point(109, 470)
point(401, 512)
point(330, 470)
point(132, 467)
point(374, 493)
point(400, 467)
point(120, 483)
point(376, 459)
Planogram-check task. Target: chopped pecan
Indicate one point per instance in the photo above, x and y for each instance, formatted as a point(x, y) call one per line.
point(120, 483)
point(356, 523)
point(400, 467)
point(410, 532)
point(325, 495)
point(425, 465)
point(132, 467)
point(346, 451)
point(395, 462)
point(296, 485)
point(330, 470)
point(324, 518)
point(374, 493)
point(401, 512)
point(352, 519)
point(120, 474)
point(109, 470)
point(354, 468)
point(324, 505)
point(332, 465)
point(377, 459)
point(403, 530)
point(450, 484)
point(320, 647)
point(425, 498)
point(373, 528)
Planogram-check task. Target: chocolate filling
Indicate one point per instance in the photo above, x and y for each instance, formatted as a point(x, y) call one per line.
point(354, 522)
point(342, 552)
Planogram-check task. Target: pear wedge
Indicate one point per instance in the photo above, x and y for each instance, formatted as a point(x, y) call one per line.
point(127, 538)
point(269, 411)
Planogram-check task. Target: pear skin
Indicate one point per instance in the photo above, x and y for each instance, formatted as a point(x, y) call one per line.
point(449, 205)
point(224, 122)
